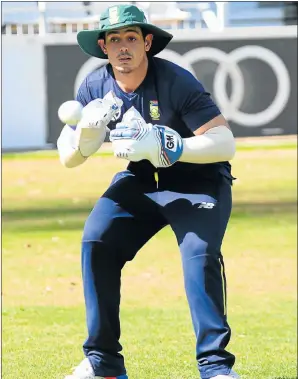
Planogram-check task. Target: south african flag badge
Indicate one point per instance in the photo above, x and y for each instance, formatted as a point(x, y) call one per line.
point(154, 110)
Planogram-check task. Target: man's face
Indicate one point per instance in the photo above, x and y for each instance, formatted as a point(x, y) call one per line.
point(126, 48)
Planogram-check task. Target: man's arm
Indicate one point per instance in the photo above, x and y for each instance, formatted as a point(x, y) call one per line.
point(68, 142)
point(213, 142)
point(69, 155)
point(213, 139)
point(135, 140)
point(216, 121)
point(75, 146)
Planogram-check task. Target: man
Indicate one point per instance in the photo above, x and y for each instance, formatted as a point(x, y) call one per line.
point(178, 144)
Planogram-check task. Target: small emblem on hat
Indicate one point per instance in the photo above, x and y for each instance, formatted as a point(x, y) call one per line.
point(113, 15)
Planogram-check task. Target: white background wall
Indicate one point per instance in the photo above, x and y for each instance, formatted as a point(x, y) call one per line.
point(23, 93)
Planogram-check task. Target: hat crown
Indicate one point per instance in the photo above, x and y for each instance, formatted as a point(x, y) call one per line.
point(117, 17)
point(121, 14)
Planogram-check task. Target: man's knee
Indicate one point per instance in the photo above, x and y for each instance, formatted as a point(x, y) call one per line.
point(93, 231)
point(105, 234)
point(99, 221)
point(193, 245)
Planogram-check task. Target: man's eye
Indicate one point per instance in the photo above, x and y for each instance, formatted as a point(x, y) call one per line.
point(114, 39)
point(132, 39)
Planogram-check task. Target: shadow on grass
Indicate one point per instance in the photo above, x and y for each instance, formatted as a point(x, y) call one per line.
point(63, 210)
point(268, 208)
point(72, 217)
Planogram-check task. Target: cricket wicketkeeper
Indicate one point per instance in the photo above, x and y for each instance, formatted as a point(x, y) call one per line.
point(178, 145)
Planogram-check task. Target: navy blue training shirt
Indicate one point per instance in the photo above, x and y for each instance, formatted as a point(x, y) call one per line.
point(171, 96)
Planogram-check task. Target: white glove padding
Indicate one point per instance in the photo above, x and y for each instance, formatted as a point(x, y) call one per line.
point(100, 111)
point(135, 140)
point(75, 146)
point(89, 140)
point(92, 128)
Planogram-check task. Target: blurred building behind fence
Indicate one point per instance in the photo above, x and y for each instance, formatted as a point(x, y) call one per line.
point(257, 91)
point(69, 17)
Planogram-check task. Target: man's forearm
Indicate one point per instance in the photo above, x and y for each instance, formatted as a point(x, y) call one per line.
point(215, 145)
point(69, 155)
point(75, 146)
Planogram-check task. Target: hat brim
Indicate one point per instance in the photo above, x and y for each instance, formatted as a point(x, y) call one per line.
point(88, 39)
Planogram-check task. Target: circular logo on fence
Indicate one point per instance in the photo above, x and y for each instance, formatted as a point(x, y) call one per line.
point(228, 67)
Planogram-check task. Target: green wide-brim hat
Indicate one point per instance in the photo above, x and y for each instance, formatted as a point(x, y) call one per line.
point(117, 17)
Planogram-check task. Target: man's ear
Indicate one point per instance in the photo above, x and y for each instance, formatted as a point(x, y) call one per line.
point(101, 44)
point(148, 41)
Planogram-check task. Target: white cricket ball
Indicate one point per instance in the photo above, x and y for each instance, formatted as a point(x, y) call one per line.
point(70, 112)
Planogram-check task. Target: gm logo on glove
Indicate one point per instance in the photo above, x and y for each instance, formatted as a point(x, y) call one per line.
point(135, 140)
point(171, 145)
point(171, 142)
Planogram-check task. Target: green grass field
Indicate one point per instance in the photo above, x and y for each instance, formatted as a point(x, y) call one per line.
point(43, 210)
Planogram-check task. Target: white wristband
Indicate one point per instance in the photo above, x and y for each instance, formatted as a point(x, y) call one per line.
point(215, 145)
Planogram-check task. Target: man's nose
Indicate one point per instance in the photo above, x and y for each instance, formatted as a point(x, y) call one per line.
point(124, 49)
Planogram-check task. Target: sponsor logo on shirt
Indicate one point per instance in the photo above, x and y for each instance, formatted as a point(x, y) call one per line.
point(154, 110)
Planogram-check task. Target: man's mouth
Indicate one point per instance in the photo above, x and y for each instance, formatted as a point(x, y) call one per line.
point(124, 59)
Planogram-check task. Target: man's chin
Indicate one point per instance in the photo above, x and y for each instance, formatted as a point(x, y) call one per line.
point(124, 69)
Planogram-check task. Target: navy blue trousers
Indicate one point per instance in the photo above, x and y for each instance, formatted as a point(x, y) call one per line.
point(128, 214)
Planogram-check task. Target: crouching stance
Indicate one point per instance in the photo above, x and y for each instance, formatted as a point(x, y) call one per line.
point(178, 144)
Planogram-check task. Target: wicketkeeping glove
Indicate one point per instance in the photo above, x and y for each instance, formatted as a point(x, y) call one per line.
point(92, 128)
point(135, 140)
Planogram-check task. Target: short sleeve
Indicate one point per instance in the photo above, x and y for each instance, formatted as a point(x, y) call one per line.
point(194, 103)
point(83, 95)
